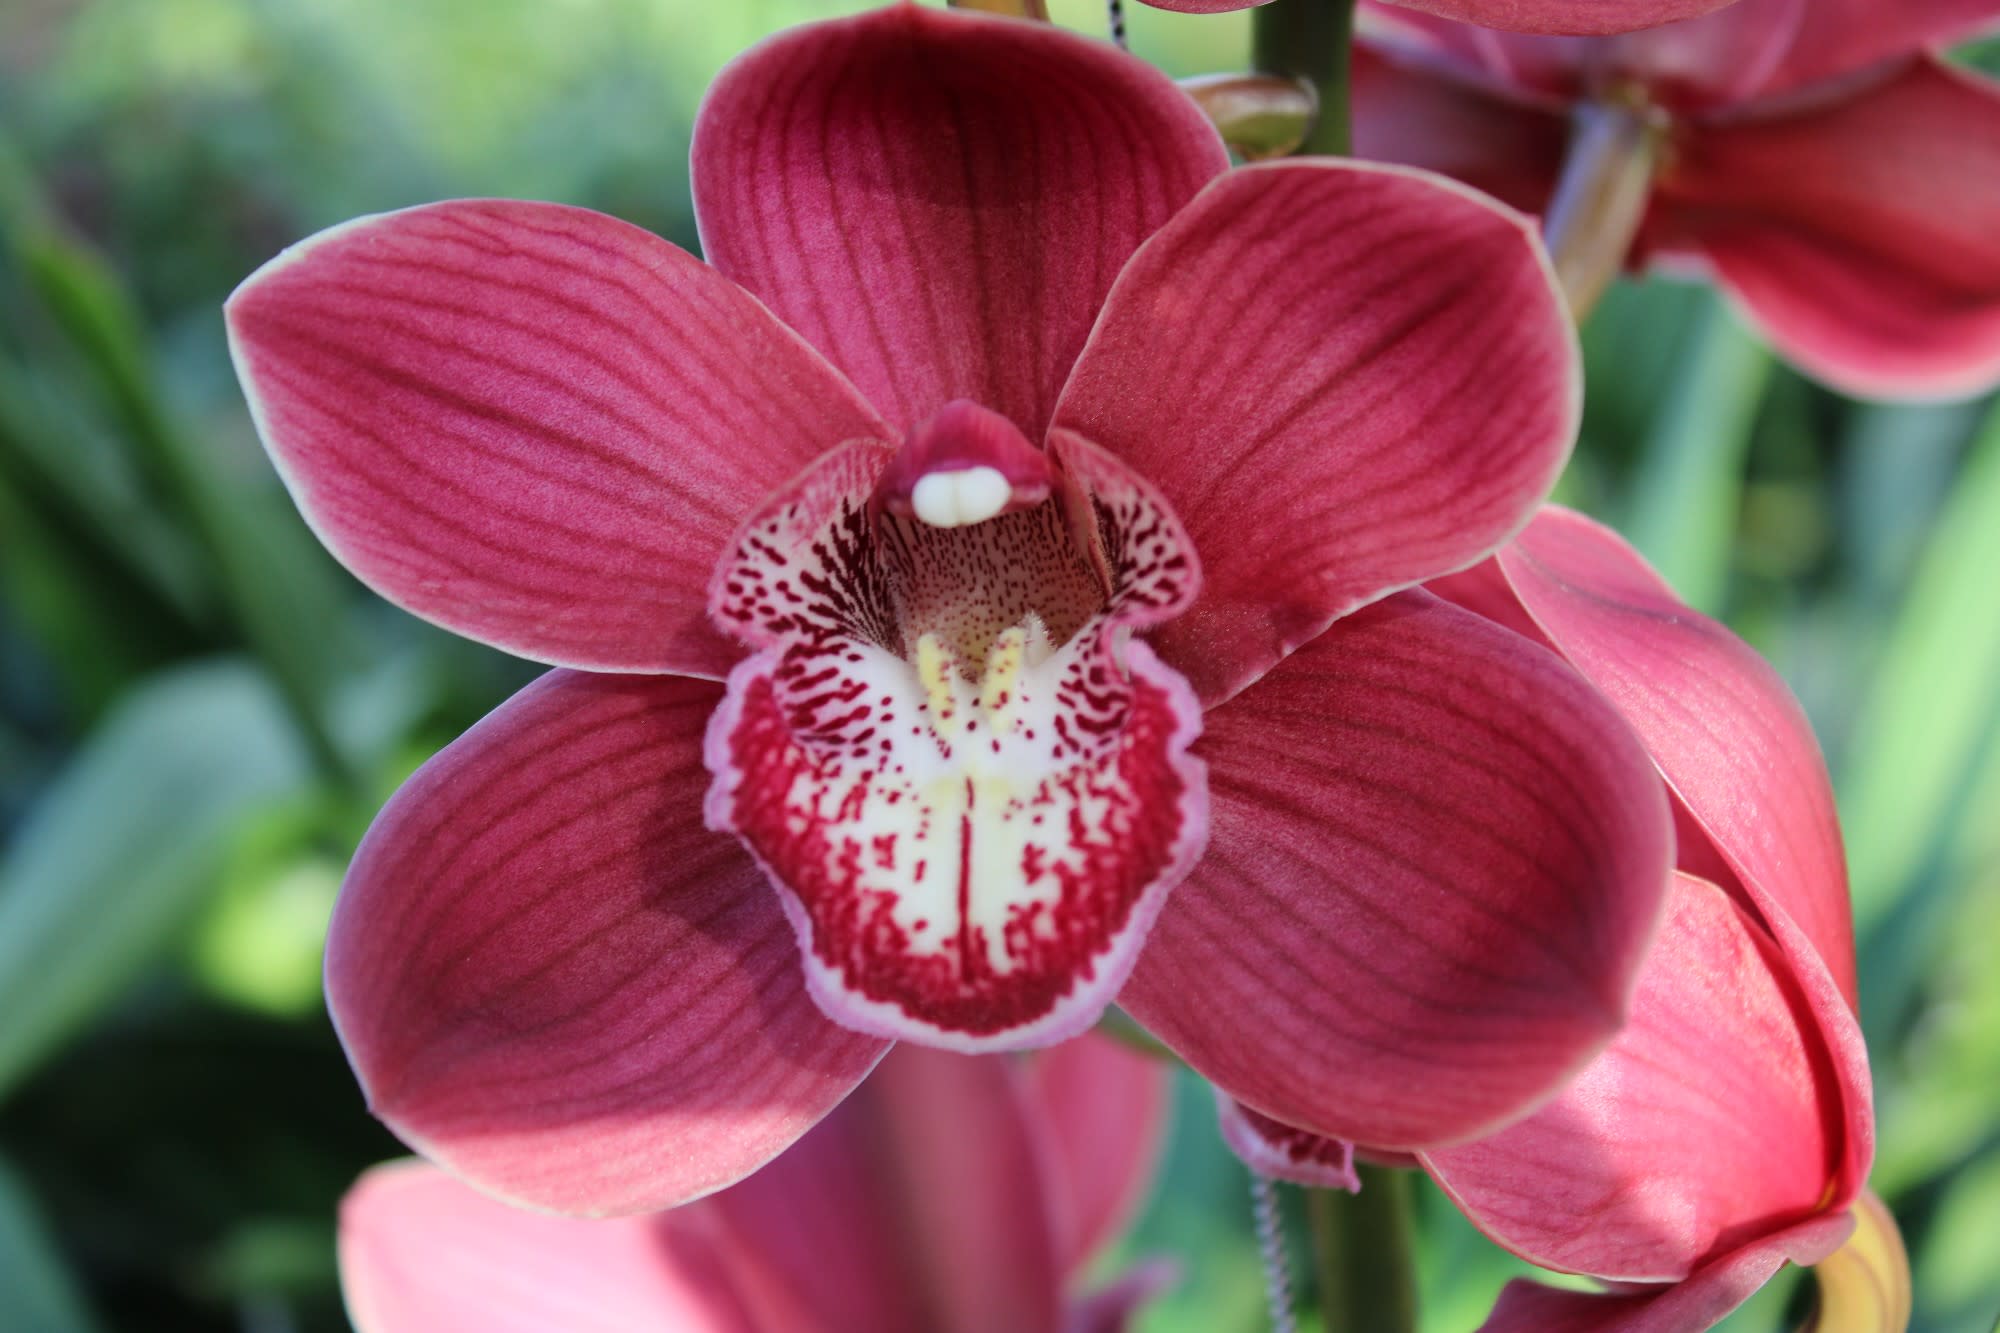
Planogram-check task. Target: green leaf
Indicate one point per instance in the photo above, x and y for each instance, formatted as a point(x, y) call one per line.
point(37, 1294)
point(124, 846)
point(1933, 702)
point(1689, 485)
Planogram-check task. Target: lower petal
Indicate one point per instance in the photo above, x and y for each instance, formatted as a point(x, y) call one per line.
point(1435, 860)
point(552, 980)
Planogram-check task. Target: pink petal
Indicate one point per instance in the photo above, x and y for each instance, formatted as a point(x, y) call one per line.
point(939, 201)
point(1339, 409)
point(1735, 748)
point(916, 1206)
point(1103, 1108)
point(1733, 742)
point(1711, 1121)
point(971, 794)
point(1435, 860)
point(1862, 235)
point(1205, 6)
point(553, 981)
point(1589, 17)
point(1420, 117)
point(534, 425)
point(1843, 36)
point(1699, 1303)
point(1282, 1152)
point(422, 1253)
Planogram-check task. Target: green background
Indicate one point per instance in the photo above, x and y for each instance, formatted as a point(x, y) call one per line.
point(199, 711)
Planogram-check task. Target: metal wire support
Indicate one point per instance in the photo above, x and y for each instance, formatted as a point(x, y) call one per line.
point(1115, 12)
point(1271, 1242)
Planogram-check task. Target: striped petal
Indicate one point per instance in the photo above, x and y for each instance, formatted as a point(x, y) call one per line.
point(552, 980)
point(1435, 859)
point(534, 425)
point(1345, 379)
point(940, 200)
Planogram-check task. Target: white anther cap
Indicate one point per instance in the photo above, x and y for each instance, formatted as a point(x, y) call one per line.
point(959, 497)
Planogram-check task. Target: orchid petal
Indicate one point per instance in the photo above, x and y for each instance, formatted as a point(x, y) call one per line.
point(423, 1253)
point(1699, 1303)
point(1738, 753)
point(939, 201)
point(1844, 36)
point(1863, 234)
point(1435, 859)
point(1281, 1152)
point(533, 425)
point(1711, 1120)
point(553, 981)
point(916, 1206)
point(1721, 724)
point(1335, 410)
point(1411, 114)
point(1580, 17)
point(1103, 1108)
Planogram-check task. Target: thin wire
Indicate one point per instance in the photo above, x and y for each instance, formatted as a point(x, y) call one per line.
point(1271, 1241)
point(1115, 10)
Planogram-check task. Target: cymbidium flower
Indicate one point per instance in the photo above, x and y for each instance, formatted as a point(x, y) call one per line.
point(1841, 182)
point(1046, 379)
point(1728, 1128)
point(951, 1193)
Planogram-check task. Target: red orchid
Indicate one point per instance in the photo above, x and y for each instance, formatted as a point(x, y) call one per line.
point(1547, 16)
point(953, 1192)
point(1728, 1128)
point(1839, 180)
point(1046, 376)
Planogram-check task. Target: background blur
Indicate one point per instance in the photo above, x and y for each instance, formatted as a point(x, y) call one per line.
point(199, 711)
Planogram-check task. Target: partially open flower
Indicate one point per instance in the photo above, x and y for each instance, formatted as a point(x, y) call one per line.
point(1728, 1128)
point(1054, 535)
point(1837, 179)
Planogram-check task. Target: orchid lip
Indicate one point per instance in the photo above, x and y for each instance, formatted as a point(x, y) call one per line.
point(969, 788)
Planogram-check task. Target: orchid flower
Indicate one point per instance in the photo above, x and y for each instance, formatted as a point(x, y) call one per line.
point(1544, 16)
point(951, 1193)
point(894, 560)
point(1838, 180)
point(1729, 1127)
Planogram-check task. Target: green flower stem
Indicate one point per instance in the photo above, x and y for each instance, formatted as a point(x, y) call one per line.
point(1363, 1255)
point(1309, 40)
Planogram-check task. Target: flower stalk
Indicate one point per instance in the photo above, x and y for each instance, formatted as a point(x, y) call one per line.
point(1600, 198)
point(1309, 40)
point(1362, 1254)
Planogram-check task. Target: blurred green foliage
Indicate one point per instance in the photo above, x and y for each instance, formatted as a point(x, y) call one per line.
point(198, 711)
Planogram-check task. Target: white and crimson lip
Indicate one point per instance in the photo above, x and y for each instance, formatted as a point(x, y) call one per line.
point(956, 246)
